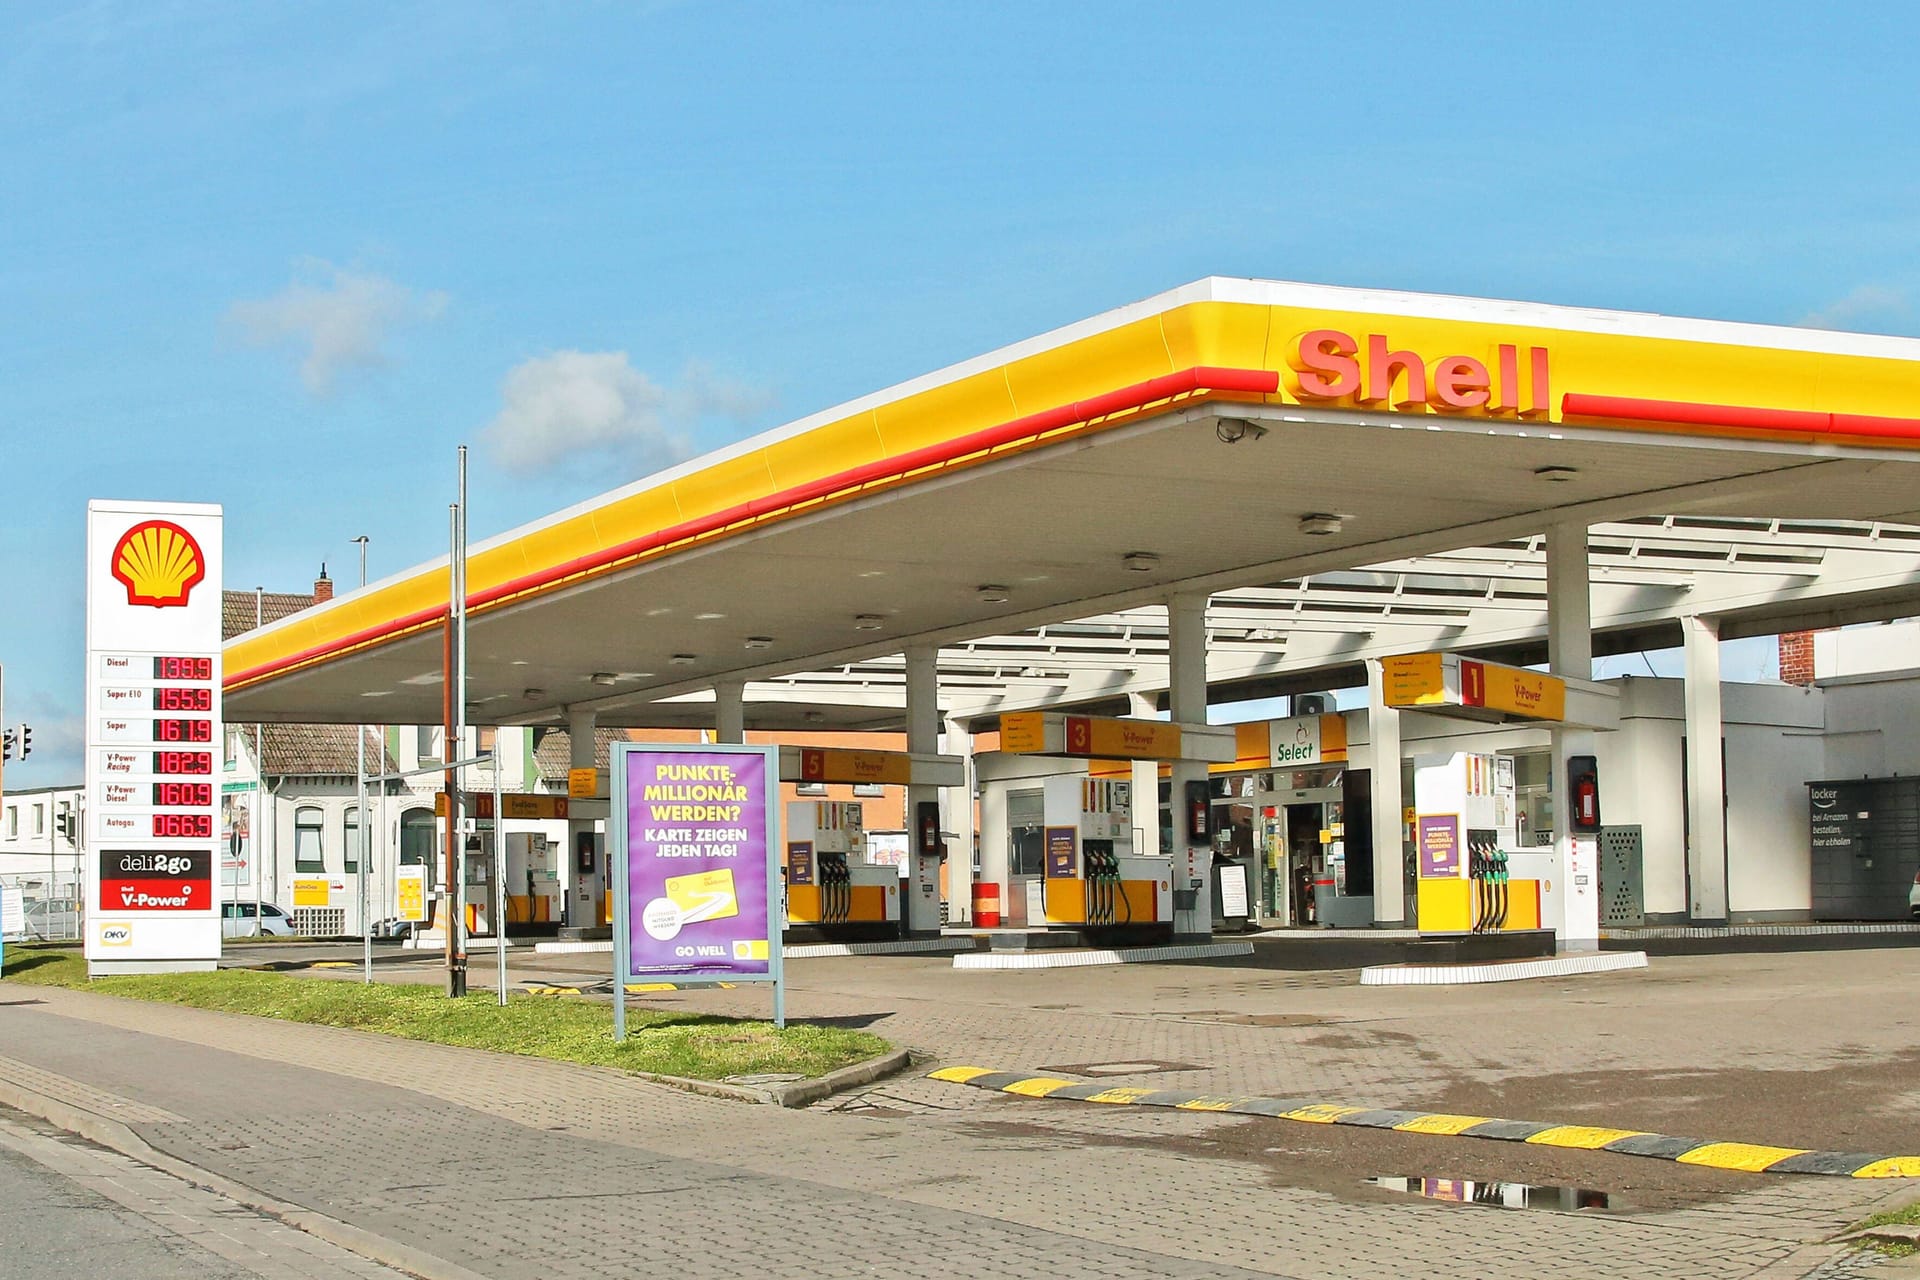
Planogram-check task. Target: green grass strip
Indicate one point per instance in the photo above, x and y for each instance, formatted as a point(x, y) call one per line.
point(691, 1045)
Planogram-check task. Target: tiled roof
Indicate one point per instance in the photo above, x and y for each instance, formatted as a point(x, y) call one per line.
point(308, 749)
point(324, 750)
point(237, 609)
point(555, 752)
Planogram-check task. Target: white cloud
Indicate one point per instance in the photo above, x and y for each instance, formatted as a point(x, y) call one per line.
point(578, 405)
point(339, 319)
point(1869, 306)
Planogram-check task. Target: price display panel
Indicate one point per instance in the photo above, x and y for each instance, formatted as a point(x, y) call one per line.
point(156, 749)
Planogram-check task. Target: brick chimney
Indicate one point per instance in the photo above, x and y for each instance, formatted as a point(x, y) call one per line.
point(323, 592)
point(1796, 657)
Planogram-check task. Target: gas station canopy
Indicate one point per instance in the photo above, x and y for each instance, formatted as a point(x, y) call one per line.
point(1347, 473)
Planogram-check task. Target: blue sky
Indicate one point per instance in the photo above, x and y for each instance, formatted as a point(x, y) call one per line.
point(286, 257)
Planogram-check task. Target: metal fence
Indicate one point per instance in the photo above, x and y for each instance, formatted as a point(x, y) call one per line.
point(50, 904)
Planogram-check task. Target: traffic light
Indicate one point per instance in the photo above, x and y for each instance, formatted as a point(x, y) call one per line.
point(6, 744)
point(26, 741)
point(64, 821)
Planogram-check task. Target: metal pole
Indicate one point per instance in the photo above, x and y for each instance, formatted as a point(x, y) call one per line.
point(360, 810)
point(499, 870)
point(259, 804)
point(460, 692)
point(450, 897)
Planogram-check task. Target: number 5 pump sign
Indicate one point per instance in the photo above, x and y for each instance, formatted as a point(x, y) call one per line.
point(696, 867)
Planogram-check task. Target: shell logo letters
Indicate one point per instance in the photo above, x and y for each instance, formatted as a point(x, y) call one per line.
point(159, 563)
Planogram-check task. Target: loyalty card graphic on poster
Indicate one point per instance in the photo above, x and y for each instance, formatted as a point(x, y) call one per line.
point(697, 867)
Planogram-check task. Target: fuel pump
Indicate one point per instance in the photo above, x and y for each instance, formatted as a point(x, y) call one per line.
point(836, 889)
point(1092, 878)
point(832, 890)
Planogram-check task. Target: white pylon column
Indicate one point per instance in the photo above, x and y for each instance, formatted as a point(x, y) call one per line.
point(1187, 702)
point(1389, 859)
point(1570, 655)
point(1706, 773)
point(730, 711)
point(1146, 786)
point(587, 895)
point(956, 804)
point(920, 913)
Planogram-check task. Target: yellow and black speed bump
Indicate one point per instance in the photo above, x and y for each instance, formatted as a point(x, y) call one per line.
point(1742, 1156)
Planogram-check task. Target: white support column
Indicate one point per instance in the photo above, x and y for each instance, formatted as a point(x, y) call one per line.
point(920, 913)
point(1187, 701)
point(956, 804)
point(587, 896)
point(1570, 654)
point(1706, 776)
point(1146, 786)
point(1389, 859)
point(730, 711)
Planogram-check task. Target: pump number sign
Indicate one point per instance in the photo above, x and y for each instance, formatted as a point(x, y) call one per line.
point(153, 726)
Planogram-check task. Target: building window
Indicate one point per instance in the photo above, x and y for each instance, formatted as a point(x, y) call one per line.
point(416, 838)
point(309, 847)
point(1026, 833)
point(39, 819)
point(484, 738)
point(352, 844)
point(426, 743)
point(13, 821)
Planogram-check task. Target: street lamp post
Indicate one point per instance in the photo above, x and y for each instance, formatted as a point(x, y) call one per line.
point(360, 809)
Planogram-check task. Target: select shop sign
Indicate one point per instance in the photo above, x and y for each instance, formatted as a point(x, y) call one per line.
point(177, 880)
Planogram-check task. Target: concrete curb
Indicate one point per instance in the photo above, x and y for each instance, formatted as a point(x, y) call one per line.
point(1740, 1157)
point(980, 960)
point(800, 1093)
point(116, 1136)
point(1435, 975)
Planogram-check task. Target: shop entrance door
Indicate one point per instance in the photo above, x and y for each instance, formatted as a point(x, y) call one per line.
point(1300, 818)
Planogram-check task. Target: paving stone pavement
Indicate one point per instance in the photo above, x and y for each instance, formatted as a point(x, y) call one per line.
point(514, 1167)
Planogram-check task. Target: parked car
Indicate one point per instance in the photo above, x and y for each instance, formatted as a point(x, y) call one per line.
point(1913, 897)
point(394, 929)
point(236, 920)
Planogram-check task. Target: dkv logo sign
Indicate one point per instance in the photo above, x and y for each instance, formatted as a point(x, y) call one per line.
point(116, 935)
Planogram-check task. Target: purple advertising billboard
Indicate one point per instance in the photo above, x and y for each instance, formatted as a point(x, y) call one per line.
point(1439, 840)
point(693, 840)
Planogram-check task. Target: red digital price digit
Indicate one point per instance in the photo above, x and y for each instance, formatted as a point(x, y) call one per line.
point(177, 698)
point(183, 730)
point(183, 762)
point(182, 826)
point(183, 668)
point(182, 795)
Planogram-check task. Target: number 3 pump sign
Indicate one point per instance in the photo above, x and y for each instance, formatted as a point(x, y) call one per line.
point(695, 863)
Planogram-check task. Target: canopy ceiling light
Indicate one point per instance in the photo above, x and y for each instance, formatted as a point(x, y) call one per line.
point(1559, 475)
point(604, 679)
point(759, 642)
point(684, 659)
point(992, 593)
point(1141, 561)
point(1319, 524)
point(867, 621)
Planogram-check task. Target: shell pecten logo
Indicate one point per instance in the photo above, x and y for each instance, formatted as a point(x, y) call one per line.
point(159, 563)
